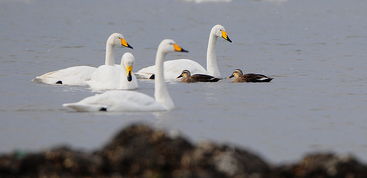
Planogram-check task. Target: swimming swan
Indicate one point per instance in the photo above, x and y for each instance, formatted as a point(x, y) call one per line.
point(132, 100)
point(173, 68)
point(78, 75)
point(108, 77)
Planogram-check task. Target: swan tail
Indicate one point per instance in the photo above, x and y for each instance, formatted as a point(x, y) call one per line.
point(51, 81)
point(84, 107)
point(37, 79)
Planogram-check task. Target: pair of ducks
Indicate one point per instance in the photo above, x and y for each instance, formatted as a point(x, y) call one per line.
point(238, 75)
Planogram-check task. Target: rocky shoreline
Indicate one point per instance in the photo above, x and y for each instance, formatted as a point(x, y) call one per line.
point(141, 151)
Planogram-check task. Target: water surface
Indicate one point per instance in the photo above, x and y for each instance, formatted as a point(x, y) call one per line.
point(315, 50)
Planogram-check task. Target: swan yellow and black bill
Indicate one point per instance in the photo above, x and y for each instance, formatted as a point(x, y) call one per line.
point(225, 36)
point(178, 48)
point(129, 70)
point(124, 43)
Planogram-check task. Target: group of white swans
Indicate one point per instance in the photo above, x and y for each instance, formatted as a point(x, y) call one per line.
point(118, 79)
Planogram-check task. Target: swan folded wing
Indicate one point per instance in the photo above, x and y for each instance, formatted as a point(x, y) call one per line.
point(135, 101)
point(91, 104)
point(145, 73)
point(116, 101)
point(80, 107)
point(110, 78)
point(173, 68)
point(77, 75)
point(105, 77)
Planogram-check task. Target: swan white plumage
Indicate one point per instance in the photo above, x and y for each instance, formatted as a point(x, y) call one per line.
point(132, 100)
point(108, 77)
point(174, 68)
point(78, 75)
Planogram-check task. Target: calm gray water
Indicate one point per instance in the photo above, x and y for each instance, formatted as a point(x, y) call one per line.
point(315, 50)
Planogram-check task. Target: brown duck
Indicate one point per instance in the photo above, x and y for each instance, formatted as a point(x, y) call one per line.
point(240, 77)
point(188, 78)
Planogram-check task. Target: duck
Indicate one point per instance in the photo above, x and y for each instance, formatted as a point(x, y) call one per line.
point(188, 78)
point(78, 75)
point(239, 77)
point(133, 101)
point(173, 68)
point(108, 77)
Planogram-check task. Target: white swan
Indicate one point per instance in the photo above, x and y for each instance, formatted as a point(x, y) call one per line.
point(78, 75)
point(108, 77)
point(132, 100)
point(173, 68)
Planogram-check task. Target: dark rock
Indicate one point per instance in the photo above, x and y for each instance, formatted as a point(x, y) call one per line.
point(59, 161)
point(140, 151)
point(226, 160)
point(324, 165)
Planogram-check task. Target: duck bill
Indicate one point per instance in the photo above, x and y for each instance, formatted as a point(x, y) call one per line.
point(129, 70)
point(179, 76)
point(231, 76)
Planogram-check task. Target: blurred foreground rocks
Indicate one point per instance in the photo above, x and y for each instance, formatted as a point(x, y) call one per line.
point(139, 151)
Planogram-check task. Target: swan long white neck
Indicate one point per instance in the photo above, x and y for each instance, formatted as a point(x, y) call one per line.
point(160, 92)
point(211, 57)
point(110, 55)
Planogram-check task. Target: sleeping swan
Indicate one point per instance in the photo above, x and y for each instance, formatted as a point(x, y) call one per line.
point(108, 77)
point(78, 75)
point(132, 100)
point(173, 68)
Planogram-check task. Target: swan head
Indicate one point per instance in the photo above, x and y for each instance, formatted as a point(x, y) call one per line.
point(117, 39)
point(185, 74)
point(169, 45)
point(237, 73)
point(220, 31)
point(127, 63)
